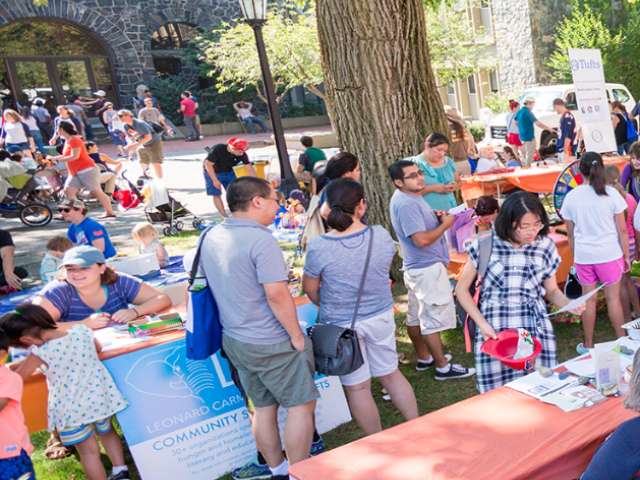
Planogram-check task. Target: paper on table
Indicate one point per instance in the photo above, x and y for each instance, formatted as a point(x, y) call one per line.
point(577, 302)
point(564, 402)
point(538, 387)
point(582, 368)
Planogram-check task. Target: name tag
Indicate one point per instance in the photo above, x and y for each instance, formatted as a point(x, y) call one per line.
point(10, 448)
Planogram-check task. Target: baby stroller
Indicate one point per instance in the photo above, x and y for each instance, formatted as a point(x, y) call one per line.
point(160, 207)
point(16, 193)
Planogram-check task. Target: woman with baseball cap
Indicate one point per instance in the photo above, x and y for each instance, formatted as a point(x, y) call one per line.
point(218, 168)
point(92, 294)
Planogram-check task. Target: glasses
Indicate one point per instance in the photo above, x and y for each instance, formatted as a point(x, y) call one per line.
point(414, 175)
point(535, 228)
point(270, 198)
point(64, 210)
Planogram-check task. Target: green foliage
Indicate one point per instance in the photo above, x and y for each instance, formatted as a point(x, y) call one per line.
point(477, 131)
point(583, 29)
point(291, 40)
point(309, 108)
point(457, 51)
point(499, 102)
point(167, 90)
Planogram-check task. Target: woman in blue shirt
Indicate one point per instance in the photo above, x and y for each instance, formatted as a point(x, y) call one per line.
point(441, 176)
point(93, 294)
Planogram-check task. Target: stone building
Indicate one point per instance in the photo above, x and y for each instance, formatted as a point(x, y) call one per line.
point(88, 45)
point(520, 35)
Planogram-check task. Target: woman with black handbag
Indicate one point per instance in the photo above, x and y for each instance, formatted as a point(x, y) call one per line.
point(333, 278)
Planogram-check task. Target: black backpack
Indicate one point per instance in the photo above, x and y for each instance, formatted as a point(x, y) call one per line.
point(485, 247)
point(157, 127)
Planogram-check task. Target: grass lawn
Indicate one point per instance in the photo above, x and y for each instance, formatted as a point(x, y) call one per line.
point(431, 394)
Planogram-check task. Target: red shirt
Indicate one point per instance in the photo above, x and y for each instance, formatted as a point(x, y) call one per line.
point(189, 107)
point(83, 162)
point(15, 436)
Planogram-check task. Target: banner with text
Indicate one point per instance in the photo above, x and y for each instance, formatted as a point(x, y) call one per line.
point(186, 419)
point(591, 96)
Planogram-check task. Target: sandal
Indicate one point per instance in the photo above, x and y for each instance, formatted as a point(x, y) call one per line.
point(107, 215)
point(55, 450)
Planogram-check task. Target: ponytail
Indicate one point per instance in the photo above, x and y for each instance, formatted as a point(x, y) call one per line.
point(612, 175)
point(592, 167)
point(26, 319)
point(343, 196)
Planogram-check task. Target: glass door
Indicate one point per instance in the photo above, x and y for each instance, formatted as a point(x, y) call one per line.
point(33, 80)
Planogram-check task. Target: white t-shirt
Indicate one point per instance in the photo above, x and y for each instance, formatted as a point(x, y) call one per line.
point(595, 234)
point(484, 165)
point(31, 123)
point(15, 133)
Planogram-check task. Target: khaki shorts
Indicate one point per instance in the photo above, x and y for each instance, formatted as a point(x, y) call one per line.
point(151, 154)
point(431, 304)
point(274, 374)
point(89, 179)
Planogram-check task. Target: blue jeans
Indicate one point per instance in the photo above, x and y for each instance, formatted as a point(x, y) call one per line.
point(88, 130)
point(621, 149)
point(249, 121)
point(37, 139)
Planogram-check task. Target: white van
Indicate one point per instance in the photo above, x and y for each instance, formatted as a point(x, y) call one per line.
point(496, 127)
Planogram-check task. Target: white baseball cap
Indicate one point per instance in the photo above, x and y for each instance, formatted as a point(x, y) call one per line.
point(100, 93)
point(529, 99)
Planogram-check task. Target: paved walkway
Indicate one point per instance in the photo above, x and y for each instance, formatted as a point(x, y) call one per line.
point(183, 176)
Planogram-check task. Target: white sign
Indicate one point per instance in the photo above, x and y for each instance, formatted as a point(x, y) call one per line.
point(591, 96)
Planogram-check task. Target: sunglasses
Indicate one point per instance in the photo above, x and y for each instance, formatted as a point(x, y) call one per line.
point(414, 175)
point(64, 210)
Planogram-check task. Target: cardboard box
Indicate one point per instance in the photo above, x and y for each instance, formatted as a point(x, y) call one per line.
point(147, 326)
point(135, 264)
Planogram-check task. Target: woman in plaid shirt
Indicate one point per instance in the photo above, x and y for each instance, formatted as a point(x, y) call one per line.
point(520, 274)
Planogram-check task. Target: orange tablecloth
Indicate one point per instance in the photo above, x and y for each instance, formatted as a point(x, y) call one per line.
point(500, 435)
point(458, 260)
point(36, 393)
point(536, 180)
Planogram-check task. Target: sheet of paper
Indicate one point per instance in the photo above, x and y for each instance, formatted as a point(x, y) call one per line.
point(583, 368)
point(608, 365)
point(577, 302)
point(567, 403)
point(589, 395)
point(538, 387)
point(116, 337)
point(459, 209)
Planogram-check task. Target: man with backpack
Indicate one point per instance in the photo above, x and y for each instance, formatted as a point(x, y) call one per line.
point(145, 139)
point(425, 257)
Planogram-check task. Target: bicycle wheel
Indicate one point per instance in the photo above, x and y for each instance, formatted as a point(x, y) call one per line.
point(36, 215)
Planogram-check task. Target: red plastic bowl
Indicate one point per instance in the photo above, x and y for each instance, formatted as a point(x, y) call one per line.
point(505, 347)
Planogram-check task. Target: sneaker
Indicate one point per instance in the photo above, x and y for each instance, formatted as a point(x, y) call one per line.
point(317, 448)
point(581, 349)
point(252, 470)
point(456, 371)
point(422, 366)
point(119, 476)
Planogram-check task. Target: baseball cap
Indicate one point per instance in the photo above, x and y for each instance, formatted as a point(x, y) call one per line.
point(100, 93)
point(239, 144)
point(297, 195)
point(14, 149)
point(38, 101)
point(83, 256)
point(73, 204)
point(529, 99)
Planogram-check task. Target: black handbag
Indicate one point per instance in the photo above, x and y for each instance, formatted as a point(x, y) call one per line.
point(336, 349)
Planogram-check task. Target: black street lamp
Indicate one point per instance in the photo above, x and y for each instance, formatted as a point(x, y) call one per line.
point(255, 13)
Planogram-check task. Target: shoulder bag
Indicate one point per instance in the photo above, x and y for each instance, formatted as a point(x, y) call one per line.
point(336, 349)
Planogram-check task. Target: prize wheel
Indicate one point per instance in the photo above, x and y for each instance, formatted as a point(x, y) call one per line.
point(569, 179)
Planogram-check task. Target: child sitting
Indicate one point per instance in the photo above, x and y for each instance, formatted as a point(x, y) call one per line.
point(487, 209)
point(297, 200)
point(56, 247)
point(15, 446)
point(82, 394)
point(147, 237)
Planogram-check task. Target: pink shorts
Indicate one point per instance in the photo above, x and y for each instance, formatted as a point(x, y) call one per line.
point(514, 139)
point(608, 273)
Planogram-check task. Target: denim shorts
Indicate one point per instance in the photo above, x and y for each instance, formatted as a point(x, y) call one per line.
point(224, 178)
point(274, 374)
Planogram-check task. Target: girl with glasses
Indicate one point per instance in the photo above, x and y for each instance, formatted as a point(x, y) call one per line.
point(521, 272)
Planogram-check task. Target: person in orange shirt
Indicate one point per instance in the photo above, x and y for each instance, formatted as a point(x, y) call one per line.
point(15, 446)
point(83, 172)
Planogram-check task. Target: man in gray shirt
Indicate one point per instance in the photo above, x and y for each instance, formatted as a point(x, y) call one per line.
point(145, 139)
point(247, 274)
point(420, 231)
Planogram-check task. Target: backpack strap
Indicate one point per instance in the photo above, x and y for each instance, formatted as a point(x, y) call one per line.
point(485, 247)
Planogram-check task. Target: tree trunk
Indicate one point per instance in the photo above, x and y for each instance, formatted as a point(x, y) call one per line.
point(380, 87)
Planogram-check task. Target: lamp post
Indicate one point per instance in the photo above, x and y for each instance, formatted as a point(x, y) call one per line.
point(255, 13)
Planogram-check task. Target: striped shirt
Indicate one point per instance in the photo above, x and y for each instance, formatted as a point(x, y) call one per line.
point(66, 299)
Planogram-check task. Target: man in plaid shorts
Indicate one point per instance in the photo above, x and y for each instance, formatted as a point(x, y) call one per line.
point(420, 231)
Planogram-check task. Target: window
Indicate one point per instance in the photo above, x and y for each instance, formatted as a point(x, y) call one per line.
point(451, 90)
point(472, 85)
point(173, 36)
point(621, 95)
point(571, 101)
point(493, 81)
point(166, 66)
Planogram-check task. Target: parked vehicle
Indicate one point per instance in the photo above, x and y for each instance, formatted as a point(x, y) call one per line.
point(496, 127)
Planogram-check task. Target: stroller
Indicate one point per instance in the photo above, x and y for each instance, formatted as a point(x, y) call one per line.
point(17, 193)
point(160, 207)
